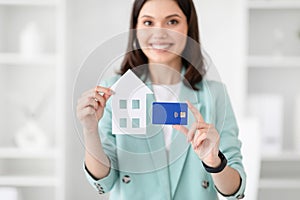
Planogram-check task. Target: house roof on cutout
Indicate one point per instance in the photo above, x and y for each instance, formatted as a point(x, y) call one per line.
point(128, 84)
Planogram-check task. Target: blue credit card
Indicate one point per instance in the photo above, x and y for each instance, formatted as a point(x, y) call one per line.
point(169, 113)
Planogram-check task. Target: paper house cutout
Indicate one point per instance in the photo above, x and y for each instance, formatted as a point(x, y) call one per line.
point(129, 105)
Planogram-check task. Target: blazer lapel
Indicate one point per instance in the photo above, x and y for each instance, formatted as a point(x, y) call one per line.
point(179, 146)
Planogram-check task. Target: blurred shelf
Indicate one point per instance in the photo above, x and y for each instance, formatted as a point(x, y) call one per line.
point(18, 59)
point(28, 181)
point(279, 183)
point(268, 21)
point(12, 153)
point(29, 2)
point(274, 61)
point(270, 4)
point(35, 169)
point(282, 157)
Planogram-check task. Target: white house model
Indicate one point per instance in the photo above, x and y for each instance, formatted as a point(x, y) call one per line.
point(129, 105)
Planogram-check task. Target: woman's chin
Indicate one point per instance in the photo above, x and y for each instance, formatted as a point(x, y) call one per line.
point(162, 57)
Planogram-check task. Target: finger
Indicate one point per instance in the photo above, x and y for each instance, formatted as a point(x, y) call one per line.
point(100, 99)
point(85, 112)
point(98, 89)
point(181, 128)
point(90, 101)
point(81, 103)
point(91, 95)
point(106, 96)
point(203, 125)
point(199, 138)
point(93, 103)
point(191, 133)
point(195, 112)
point(96, 105)
point(104, 90)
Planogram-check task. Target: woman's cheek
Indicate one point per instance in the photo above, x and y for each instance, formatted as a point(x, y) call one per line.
point(143, 37)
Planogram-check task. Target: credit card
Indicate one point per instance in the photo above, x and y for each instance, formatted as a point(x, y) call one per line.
point(169, 113)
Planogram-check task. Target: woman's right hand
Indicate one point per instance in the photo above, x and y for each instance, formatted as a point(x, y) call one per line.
point(90, 107)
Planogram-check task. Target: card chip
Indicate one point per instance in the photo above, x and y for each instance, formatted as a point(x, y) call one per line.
point(182, 114)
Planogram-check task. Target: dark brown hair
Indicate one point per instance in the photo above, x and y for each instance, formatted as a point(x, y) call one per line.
point(192, 57)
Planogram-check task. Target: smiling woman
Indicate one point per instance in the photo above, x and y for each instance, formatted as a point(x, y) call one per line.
point(169, 162)
point(161, 34)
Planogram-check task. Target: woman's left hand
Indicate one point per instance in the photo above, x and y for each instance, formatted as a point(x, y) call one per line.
point(204, 138)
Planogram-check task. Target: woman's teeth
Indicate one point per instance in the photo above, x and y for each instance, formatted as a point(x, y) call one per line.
point(161, 46)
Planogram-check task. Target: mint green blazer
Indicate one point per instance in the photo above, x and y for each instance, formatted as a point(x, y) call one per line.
point(142, 169)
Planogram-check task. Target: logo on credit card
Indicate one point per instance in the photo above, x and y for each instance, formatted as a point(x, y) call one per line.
point(169, 113)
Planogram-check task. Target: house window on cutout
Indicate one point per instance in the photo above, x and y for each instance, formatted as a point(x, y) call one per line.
point(135, 104)
point(123, 104)
point(123, 123)
point(135, 123)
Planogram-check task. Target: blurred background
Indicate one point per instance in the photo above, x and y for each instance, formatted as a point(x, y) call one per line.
point(255, 45)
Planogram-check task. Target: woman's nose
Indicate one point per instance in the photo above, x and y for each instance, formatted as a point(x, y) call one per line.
point(160, 33)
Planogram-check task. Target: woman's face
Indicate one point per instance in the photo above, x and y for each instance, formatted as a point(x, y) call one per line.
point(161, 31)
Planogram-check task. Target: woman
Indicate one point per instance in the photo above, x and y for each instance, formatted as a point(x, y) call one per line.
point(197, 161)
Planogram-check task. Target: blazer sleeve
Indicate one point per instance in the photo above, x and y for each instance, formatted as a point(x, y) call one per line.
point(230, 144)
point(108, 141)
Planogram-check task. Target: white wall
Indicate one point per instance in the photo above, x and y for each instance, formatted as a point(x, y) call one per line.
point(2, 104)
point(223, 32)
point(2, 12)
point(2, 72)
